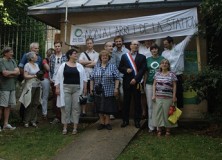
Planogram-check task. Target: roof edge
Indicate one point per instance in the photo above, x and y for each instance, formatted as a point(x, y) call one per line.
point(146, 5)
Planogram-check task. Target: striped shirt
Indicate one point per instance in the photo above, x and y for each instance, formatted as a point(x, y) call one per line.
point(164, 84)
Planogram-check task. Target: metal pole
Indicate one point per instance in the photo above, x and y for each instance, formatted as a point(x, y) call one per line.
point(66, 21)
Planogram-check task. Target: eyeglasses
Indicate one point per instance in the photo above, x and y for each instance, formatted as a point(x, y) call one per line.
point(58, 60)
point(135, 44)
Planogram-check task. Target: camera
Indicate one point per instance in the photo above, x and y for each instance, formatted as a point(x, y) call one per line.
point(40, 75)
point(99, 89)
point(82, 100)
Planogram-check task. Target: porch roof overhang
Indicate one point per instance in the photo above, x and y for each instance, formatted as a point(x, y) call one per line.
point(50, 12)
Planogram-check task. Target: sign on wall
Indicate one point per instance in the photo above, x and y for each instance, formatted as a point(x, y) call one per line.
point(179, 23)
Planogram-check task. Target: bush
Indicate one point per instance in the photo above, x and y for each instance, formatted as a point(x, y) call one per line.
point(208, 85)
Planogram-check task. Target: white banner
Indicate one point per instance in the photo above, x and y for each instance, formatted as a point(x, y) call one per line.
point(172, 24)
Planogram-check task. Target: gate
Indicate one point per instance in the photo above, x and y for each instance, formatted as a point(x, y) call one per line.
point(27, 31)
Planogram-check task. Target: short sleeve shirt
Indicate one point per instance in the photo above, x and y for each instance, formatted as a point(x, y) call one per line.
point(164, 84)
point(7, 83)
point(94, 56)
point(32, 71)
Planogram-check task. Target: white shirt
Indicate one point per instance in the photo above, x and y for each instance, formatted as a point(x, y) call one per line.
point(176, 56)
point(145, 51)
point(58, 63)
point(94, 56)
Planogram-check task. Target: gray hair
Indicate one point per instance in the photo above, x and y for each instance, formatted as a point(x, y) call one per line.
point(6, 50)
point(34, 44)
point(30, 55)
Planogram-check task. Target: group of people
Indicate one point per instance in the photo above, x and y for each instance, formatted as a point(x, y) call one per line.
point(113, 77)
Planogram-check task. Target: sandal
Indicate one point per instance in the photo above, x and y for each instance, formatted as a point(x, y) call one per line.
point(159, 133)
point(167, 132)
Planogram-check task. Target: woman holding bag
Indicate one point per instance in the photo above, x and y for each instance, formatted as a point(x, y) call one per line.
point(70, 83)
point(105, 83)
point(164, 95)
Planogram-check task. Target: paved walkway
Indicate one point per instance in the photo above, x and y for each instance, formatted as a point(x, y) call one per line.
point(99, 145)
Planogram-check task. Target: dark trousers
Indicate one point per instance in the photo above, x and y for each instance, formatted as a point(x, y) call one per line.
point(56, 110)
point(179, 92)
point(130, 92)
point(22, 112)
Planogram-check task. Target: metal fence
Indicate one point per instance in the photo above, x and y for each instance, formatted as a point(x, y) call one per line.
point(27, 31)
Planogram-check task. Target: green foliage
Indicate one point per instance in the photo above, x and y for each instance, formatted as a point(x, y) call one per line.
point(208, 85)
point(211, 10)
point(11, 9)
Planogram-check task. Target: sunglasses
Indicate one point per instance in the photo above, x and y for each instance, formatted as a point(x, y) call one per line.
point(58, 60)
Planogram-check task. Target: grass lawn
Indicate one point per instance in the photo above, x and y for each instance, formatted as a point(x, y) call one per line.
point(45, 142)
point(40, 143)
point(185, 144)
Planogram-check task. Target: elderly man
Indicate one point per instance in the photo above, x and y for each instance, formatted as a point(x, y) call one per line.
point(34, 47)
point(8, 73)
point(133, 66)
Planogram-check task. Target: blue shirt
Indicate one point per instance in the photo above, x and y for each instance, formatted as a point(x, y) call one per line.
point(119, 54)
point(24, 60)
point(106, 76)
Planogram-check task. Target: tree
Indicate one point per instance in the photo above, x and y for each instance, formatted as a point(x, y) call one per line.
point(11, 9)
point(211, 10)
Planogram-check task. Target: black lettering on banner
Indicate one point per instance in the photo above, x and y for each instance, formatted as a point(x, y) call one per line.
point(146, 28)
point(170, 24)
point(105, 34)
point(134, 28)
point(159, 27)
point(141, 28)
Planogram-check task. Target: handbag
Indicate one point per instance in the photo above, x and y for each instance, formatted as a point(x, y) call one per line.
point(82, 100)
point(173, 118)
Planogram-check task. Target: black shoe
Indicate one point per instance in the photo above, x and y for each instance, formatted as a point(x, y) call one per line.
point(109, 127)
point(101, 126)
point(83, 115)
point(124, 124)
point(137, 124)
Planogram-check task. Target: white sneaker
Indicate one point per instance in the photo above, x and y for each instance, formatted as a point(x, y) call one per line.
point(64, 131)
point(74, 132)
point(8, 127)
point(34, 125)
point(55, 121)
point(112, 117)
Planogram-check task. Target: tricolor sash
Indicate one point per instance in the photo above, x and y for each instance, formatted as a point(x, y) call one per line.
point(132, 64)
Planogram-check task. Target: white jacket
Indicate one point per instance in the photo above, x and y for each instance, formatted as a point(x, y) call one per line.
point(59, 81)
point(26, 95)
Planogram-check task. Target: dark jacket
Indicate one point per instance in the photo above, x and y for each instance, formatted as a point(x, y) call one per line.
point(140, 62)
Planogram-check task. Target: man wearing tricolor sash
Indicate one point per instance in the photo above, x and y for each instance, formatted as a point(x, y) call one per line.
point(133, 66)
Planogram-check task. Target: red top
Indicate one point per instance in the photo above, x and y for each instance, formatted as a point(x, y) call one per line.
point(45, 61)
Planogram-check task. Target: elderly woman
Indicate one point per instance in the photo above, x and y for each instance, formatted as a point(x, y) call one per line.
point(164, 94)
point(70, 83)
point(31, 94)
point(105, 83)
